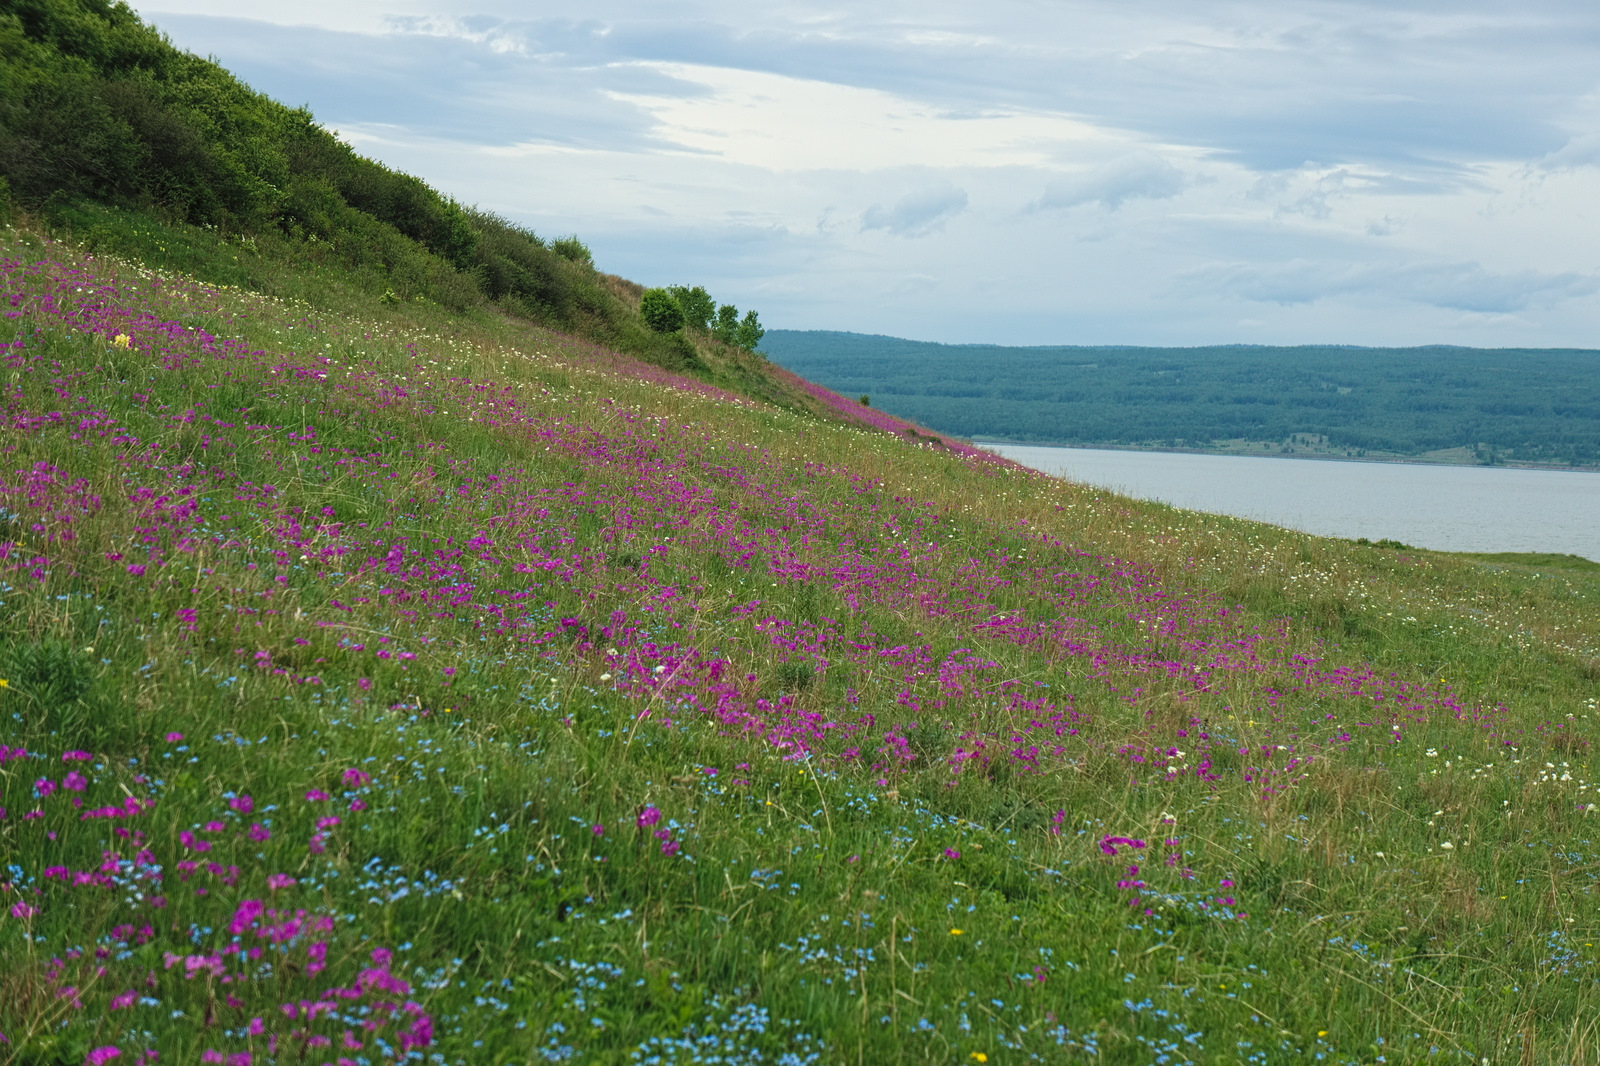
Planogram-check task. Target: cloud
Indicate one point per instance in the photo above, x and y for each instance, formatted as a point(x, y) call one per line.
point(1461, 286)
point(1582, 150)
point(778, 122)
point(1358, 171)
point(1143, 176)
point(491, 33)
point(916, 214)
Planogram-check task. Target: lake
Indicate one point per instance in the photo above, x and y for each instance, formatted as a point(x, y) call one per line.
point(1447, 508)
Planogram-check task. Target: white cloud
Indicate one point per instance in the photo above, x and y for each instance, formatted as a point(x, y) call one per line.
point(918, 213)
point(1457, 286)
point(1140, 176)
point(1582, 150)
point(783, 123)
point(487, 32)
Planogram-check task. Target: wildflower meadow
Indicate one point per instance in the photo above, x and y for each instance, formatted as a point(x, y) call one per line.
point(381, 683)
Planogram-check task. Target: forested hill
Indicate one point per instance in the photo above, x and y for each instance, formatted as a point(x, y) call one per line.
point(1490, 405)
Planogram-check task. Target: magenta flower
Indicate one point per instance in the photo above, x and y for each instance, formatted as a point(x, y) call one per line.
point(314, 795)
point(74, 781)
point(1109, 845)
point(242, 804)
point(355, 778)
point(669, 848)
point(649, 816)
point(23, 909)
point(76, 756)
point(101, 1054)
point(173, 738)
point(598, 830)
point(952, 854)
point(277, 881)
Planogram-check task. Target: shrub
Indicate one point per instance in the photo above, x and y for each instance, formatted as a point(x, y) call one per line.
point(570, 247)
point(660, 311)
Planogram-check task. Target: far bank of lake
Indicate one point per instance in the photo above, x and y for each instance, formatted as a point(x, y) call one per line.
point(1446, 508)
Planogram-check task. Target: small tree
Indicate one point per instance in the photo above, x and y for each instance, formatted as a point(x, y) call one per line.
point(697, 305)
point(660, 311)
point(727, 325)
point(749, 333)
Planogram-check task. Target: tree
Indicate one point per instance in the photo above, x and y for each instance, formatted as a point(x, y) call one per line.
point(697, 305)
point(727, 326)
point(660, 311)
point(749, 333)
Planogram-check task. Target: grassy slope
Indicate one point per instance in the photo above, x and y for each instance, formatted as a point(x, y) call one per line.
point(502, 597)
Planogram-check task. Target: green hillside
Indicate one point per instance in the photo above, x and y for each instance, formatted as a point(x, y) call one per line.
point(110, 134)
point(1460, 404)
point(399, 680)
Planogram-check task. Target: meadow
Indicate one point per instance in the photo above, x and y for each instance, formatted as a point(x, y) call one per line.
point(385, 682)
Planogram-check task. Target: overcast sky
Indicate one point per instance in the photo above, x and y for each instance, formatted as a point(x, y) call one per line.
point(1123, 171)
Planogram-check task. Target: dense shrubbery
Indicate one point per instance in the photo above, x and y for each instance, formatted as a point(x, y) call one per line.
point(99, 110)
point(99, 106)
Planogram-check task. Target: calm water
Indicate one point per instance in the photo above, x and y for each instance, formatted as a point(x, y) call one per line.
point(1448, 508)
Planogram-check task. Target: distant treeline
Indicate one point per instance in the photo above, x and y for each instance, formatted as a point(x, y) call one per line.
point(1535, 405)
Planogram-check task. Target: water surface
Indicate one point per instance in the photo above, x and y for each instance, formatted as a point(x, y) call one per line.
point(1447, 508)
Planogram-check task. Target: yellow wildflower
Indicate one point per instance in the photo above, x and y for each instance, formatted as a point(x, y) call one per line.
point(121, 340)
point(955, 932)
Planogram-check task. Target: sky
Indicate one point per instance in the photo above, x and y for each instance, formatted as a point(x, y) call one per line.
point(1392, 172)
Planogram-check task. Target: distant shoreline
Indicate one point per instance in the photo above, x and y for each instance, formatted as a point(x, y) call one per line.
point(1396, 460)
point(1533, 408)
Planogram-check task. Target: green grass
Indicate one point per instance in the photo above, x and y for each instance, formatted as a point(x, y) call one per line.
point(824, 893)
